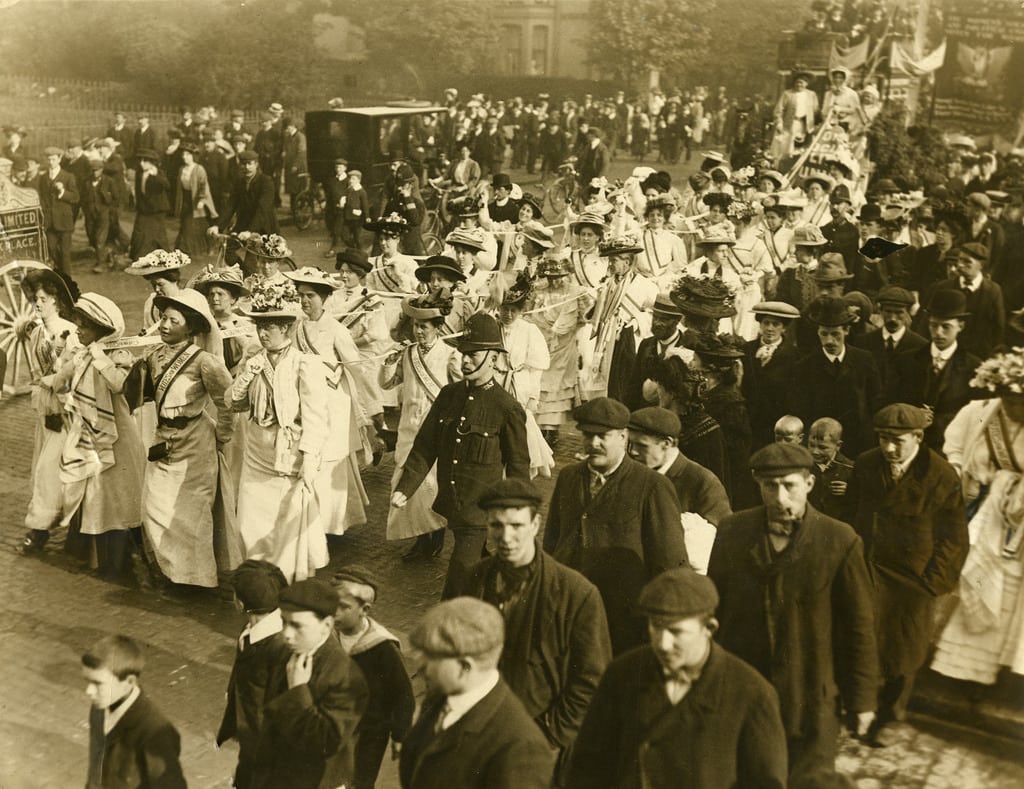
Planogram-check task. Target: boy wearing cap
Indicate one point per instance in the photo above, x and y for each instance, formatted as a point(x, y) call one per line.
point(314, 700)
point(613, 519)
point(796, 603)
point(472, 731)
point(556, 632)
point(984, 300)
point(99, 206)
point(378, 654)
point(906, 502)
point(681, 711)
point(257, 586)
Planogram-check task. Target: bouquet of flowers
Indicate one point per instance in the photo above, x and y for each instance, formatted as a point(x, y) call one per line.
point(277, 297)
point(160, 258)
point(269, 246)
point(1002, 374)
point(740, 210)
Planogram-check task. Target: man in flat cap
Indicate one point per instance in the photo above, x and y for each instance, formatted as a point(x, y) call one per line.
point(314, 700)
point(257, 586)
point(937, 376)
point(556, 632)
point(476, 433)
point(906, 503)
point(984, 300)
point(472, 731)
point(251, 204)
point(796, 604)
point(984, 231)
point(681, 711)
point(613, 519)
point(895, 336)
point(836, 379)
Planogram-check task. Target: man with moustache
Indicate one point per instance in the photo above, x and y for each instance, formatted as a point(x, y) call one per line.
point(476, 433)
point(613, 519)
point(895, 336)
point(665, 335)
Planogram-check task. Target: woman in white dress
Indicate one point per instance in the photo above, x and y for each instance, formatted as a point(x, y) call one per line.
point(339, 487)
point(284, 392)
point(985, 443)
point(753, 265)
point(664, 256)
point(419, 371)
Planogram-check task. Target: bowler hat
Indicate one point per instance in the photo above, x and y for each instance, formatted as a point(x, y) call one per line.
point(948, 303)
point(829, 311)
point(780, 458)
point(258, 584)
point(870, 212)
point(891, 294)
point(831, 268)
point(481, 332)
point(900, 418)
point(512, 492)
point(655, 421)
point(312, 594)
point(441, 264)
point(601, 415)
point(499, 180)
point(679, 593)
point(355, 259)
point(460, 627)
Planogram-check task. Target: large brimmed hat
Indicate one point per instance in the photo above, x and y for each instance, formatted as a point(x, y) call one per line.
point(442, 265)
point(520, 290)
point(831, 268)
point(36, 277)
point(158, 262)
point(310, 275)
point(272, 246)
point(480, 333)
point(948, 303)
point(721, 233)
point(101, 311)
point(229, 278)
point(624, 244)
point(539, 234)
point(147, 154)
point(474, 238)
point(821, 178)
point(808, 236)
point(829, 311)
point(278, 301)
point(393, 224)
point(703, 297)
point(189, 300)
point(465, 206)
point(791, 199)
point(715, 346)
point(534, 202)
point(556, 263)
point(355, 259)
point(589, 219)
point(774, 176)
point(429, 306)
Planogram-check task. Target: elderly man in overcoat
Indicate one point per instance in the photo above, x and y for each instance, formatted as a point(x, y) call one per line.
point(681, 711)
point(796, 603)
point(906, 503)
point(613, 519)
point(556, 632)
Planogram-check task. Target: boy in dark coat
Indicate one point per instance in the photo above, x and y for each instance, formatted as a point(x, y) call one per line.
point(261, 646)
point(832, 469)
point(378, 654)
point(99, 209)
point(131, 744)
point(354, 212)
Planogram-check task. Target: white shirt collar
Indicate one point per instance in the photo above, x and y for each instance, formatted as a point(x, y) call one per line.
point(896, 336)
point(775, 344)
point(461, 703)
point(945, 355)
point(670, 458)
point(831, 358)
point(111, 719)
point(268, 626)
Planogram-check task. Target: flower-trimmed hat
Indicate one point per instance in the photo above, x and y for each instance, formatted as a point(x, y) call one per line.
point(269, 246)
point(279, 301)
point(442, 265)
point(624, 244)
point(703, 297)
point(394, 224)
point(310, 275)
point(158, 262)
point(465, 206)
point(429, 306)
point(473, 238)
point(713, 235)
point(228, 277)
point(556, 263)
point(589, 218)
point(1003, 374)
point(519, 291)
point(540, 235)
point(715, 349)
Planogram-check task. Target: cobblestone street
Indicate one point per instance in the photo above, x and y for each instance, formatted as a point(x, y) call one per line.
point(53, 609)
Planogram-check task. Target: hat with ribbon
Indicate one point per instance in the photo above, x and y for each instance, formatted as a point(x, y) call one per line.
point(808, 236)
point(519, 291)
point(429, 306)
point(189, 300)
point(623, 244)
point(227, 277)
point(101, 311)
point(393, 224)
point(441, 264)
point(319, 279)
point(279, 301)
point(591, 219)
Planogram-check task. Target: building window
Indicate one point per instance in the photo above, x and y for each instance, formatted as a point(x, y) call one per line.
point(539, 51)
point(512, 42)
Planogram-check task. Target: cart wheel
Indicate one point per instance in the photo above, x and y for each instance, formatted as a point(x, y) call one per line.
point(302, 210)
point(433, 244)
point(16, 313)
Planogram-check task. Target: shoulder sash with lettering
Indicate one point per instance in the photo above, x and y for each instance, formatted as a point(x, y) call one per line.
point(172, 371)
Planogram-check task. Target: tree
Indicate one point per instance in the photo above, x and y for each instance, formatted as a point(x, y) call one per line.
point(633, 38)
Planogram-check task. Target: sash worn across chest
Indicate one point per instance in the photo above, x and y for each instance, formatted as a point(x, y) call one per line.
point(423, 373)
point(999, 447)
point(172, 371)
point(334, 367)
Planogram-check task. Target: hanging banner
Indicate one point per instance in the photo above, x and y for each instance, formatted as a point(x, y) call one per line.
point(979, 88)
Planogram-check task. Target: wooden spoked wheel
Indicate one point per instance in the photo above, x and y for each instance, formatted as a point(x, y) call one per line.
point(16, 317)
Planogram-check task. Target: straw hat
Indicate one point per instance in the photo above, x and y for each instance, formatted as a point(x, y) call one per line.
point(189, 300)
point(101, 311)
point(310, 275)
point(229, 278)
point(158, 262)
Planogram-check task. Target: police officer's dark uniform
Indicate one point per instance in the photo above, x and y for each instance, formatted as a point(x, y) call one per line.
point(476, 432)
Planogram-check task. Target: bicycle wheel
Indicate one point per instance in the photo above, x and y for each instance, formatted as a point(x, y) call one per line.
point(557, 196)
point(433, 244)
point(302, 210)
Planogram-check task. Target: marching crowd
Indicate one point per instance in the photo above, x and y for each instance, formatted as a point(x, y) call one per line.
point(800, 407)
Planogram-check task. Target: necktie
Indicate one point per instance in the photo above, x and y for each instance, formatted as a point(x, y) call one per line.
point(938, 364)
point(446, 709)
point(890, 344)
point(896, 471)
point(597, 481)
point(837, 364)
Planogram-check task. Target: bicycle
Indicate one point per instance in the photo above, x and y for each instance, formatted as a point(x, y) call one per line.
point(438, 221)
point(563, 191)
point(309, 203)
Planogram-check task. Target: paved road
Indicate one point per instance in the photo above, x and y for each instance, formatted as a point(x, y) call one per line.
point(53, 609)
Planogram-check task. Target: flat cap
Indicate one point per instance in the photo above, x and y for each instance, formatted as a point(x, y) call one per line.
point(258, 584)
point(975, 250)
point(775, 309)
point(895, 295)
point(357, 574)
point(311, 594)
point(510, 493)
point(460, 627)
point(980, 199)
point(781, 458)
point(900, 418)
point(655, 421)
point(248, 156)
point(51, 150)
point(601, 415)
point(679, 593)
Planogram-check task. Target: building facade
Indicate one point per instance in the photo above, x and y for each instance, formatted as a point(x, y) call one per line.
point(543, 38)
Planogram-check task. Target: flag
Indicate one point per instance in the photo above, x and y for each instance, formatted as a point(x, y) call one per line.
point(849, 57)
point(904, 61)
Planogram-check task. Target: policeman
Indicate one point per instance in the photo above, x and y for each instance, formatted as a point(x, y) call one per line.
point(476, 433)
